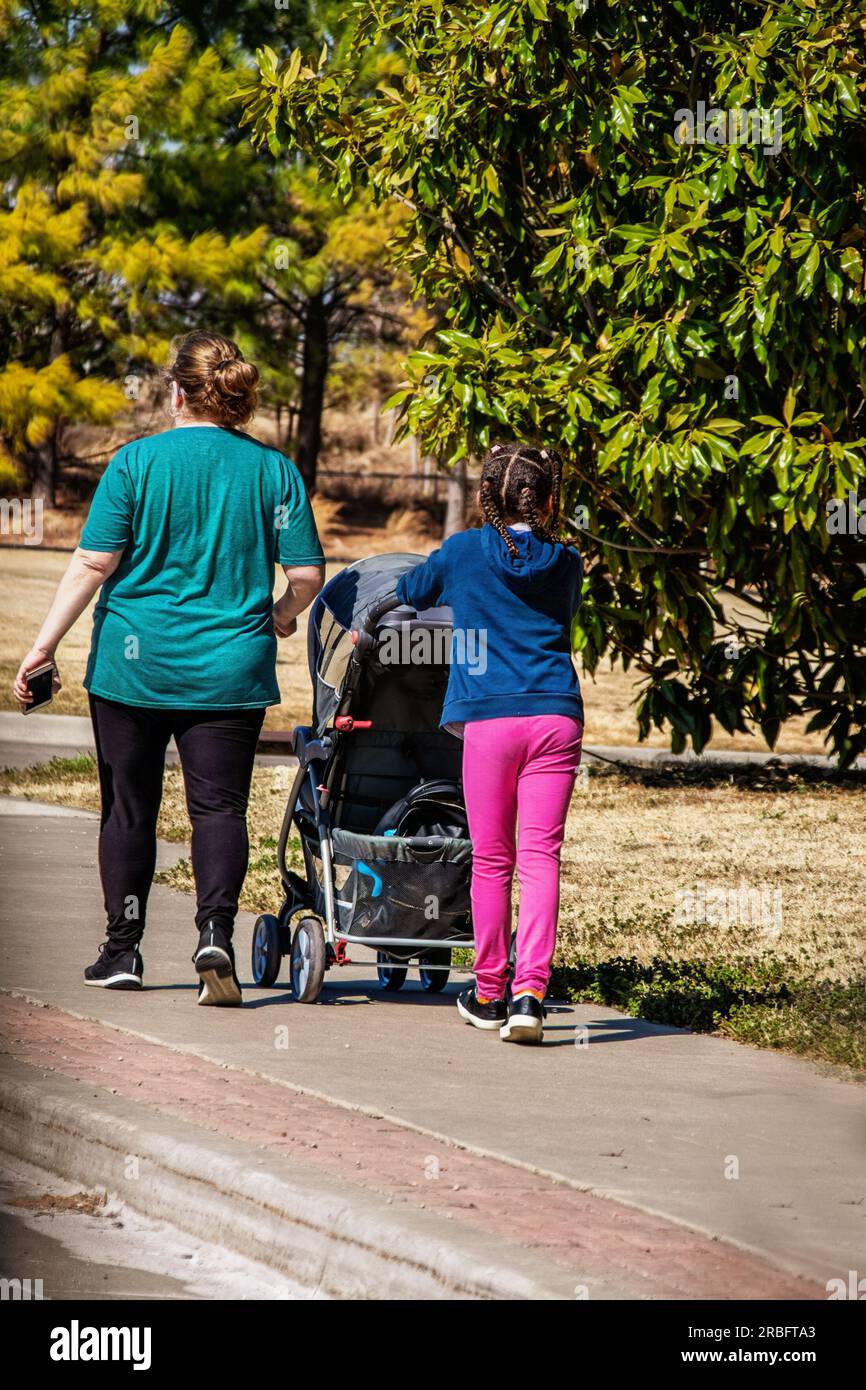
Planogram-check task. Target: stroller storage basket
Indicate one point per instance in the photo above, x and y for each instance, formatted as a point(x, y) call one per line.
point(397, 891)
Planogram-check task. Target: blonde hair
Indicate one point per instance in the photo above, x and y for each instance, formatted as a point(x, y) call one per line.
point(216, 380)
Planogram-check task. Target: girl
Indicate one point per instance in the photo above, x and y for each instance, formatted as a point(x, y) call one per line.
point(521, 718)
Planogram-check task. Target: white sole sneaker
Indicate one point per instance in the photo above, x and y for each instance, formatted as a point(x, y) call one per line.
point(219, 986)
point(117, 982)
point(488, 1025)
point(522, 1030)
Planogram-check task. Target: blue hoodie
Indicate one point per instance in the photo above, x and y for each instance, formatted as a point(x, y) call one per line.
point(515, 618)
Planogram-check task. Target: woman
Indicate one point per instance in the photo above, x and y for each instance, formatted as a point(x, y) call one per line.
point(183, 534)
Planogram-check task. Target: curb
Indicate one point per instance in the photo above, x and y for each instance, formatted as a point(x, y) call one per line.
point(643, 756)
point(346, 1243)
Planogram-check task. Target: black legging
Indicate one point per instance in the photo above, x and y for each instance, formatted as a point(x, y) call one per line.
point(217, 752)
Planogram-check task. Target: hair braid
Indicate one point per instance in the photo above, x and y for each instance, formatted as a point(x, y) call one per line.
point(556, 486)
point(490, 511)
point(517, 481)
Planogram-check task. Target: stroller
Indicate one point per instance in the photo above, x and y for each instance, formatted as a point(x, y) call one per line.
point(376, 801)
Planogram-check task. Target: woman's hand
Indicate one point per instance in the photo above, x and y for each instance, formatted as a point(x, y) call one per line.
point(284, 624)
point(37, 656)
point(86, 571)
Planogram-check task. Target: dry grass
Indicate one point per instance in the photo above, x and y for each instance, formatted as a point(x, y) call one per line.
point(81, 1203)
point(631, 849)
point(28, 578)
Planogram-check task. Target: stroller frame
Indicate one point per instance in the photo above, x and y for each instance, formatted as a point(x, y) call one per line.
point(318, 941)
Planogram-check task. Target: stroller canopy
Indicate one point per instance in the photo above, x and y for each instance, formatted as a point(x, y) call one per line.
point(342, 607)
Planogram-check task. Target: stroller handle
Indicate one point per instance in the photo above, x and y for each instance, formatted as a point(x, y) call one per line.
point(363, 640)
point(378, 610)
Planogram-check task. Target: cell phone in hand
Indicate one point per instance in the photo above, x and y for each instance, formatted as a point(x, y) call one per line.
point(40, 683)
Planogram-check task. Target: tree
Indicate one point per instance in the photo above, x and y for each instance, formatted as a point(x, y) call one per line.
point(136, 208)
point(673, 292)
point(92, 280)
point(325, 282)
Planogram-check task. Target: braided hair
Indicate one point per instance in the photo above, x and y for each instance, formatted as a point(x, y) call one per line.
point(517, 480)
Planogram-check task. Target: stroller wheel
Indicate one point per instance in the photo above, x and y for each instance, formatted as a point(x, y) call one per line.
point(512, 961)
point(308, 960)
point(435, 968)
point(391, 977)
point(266, 955)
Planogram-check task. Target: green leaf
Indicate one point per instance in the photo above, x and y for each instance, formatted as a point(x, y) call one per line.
point(553, 257)
point(294, 67)
point(808, 270)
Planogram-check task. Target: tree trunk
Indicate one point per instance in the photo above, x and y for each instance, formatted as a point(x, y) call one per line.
point(375, 419)
point(455, 509)
point(41, 465)
point(428, 472)
point(315, 371)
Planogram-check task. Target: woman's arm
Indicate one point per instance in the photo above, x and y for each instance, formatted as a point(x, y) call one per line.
point(86, 572)
point(303, 583)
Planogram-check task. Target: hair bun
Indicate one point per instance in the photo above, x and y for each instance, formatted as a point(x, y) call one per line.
point(217, 383)
point(234, 377)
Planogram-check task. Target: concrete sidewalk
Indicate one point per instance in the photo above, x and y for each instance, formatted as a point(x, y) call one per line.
point(26, 740)
point(655, 1120)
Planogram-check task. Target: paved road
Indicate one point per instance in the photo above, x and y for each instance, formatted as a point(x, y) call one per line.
point(758, 1149)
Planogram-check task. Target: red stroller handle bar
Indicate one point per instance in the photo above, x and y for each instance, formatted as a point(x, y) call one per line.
point(345, 723)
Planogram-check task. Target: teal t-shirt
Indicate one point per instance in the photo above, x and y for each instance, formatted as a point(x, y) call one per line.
point(202, 515)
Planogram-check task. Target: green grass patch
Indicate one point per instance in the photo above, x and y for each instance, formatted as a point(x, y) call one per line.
point(58, 770)
point(757, 1001)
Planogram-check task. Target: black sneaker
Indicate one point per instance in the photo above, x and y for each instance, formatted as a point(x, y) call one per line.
point(525, 1022)
point(215, 962)
point(117, 968)
point(489, 1015)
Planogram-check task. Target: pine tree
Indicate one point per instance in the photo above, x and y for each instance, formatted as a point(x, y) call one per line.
point(95, 96)
point(326, 285)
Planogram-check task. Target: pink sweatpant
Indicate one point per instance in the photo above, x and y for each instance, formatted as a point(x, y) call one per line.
point(518, 775)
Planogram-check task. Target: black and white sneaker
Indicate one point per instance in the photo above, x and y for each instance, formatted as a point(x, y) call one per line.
point(215, 962)
point(489, 1015)
point(525, 1022)
point(117, 968)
